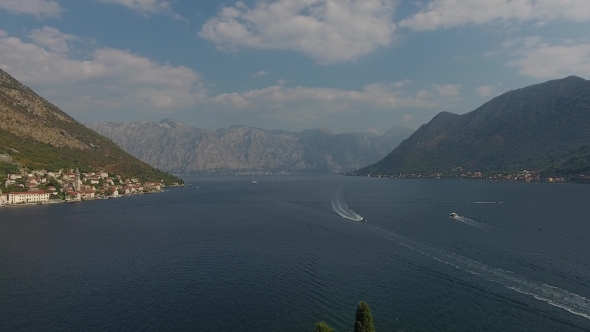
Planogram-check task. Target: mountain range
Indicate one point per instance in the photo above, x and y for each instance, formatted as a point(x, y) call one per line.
point(38, 135)
point(543, 127)
point(174, 147)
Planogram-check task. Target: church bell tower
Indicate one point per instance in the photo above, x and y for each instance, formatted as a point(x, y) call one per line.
point(77, 181)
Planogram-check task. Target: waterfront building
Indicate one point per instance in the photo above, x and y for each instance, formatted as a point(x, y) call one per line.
point(28, 197)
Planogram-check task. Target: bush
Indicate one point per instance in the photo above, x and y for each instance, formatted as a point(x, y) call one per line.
point(364, 319)
point(323, 327)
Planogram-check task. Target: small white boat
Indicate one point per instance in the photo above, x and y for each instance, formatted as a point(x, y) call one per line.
point(453, 215)
point(363, 220)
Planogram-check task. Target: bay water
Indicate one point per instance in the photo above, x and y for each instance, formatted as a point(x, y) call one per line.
point(227, 254)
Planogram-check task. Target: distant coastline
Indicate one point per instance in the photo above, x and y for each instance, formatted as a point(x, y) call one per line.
point(524, 176)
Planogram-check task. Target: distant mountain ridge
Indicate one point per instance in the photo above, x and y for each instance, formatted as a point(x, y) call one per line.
point(174, 147)
point(538, 127)
point(38, 135)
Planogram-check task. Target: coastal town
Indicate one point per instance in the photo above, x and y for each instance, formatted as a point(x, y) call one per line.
point(42, 186)
point(459, 173)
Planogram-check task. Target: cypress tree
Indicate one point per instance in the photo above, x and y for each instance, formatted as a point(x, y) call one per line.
point(364, 320)
point(323, 327)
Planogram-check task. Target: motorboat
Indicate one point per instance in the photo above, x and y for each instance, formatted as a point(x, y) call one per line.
point(453, 215)
point(363, 220)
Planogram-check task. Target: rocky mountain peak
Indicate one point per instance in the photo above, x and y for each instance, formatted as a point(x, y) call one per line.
point(183, 149)
point(171, 123)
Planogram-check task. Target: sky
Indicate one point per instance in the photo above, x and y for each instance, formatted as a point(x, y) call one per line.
point(345, 65)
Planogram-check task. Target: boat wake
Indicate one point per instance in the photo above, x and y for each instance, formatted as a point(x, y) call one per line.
point(422, 201)
point(344, 211)
point(555, 296)
point(473, 223)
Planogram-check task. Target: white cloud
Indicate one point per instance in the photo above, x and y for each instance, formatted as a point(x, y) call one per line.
point(400, 84)
point(542, 60)
point(485, 90)
point(52, 38)
point(322, 102)
point(422, 94)
point(110, 79)
point(447, 90)
point(146, 7)
point(260, 74)
point(32, 7)
point(118, 84)
point(451, 13)
point(329, 31)
point(297, 107)
point(281, 81)
point(280, 95)
point(526, 42)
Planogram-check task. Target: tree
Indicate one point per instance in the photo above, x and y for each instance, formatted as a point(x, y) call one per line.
point(323, 327)
point(53, 182)
point(364, 320)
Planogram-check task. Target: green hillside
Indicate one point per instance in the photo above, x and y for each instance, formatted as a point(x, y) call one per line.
point(542, 127)
point(38, 135)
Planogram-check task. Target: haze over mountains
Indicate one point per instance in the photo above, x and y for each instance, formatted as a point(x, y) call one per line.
point(544, 127)
point(174, 147)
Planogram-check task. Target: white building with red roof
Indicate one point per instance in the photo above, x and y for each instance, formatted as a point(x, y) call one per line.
point(28, 197)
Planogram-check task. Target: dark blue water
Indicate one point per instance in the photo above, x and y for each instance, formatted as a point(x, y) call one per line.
point(228, 255)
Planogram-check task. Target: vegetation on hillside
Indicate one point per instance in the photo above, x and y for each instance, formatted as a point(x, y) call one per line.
point(540, 127)
point(37, 155)
point(6, 168)
point(575, 165)
point(38, 135)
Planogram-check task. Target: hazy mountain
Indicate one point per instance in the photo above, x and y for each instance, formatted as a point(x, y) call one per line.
point(171, 146)
point(537, 127)
point(392, 138)
point(38, 135)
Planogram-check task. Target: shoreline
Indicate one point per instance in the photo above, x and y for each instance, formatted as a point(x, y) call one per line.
point(523, 180)
point(61, 201)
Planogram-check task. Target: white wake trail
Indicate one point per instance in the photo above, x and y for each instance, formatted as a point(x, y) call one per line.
point(473, 223)
point(555, 296)
point(344, 211)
